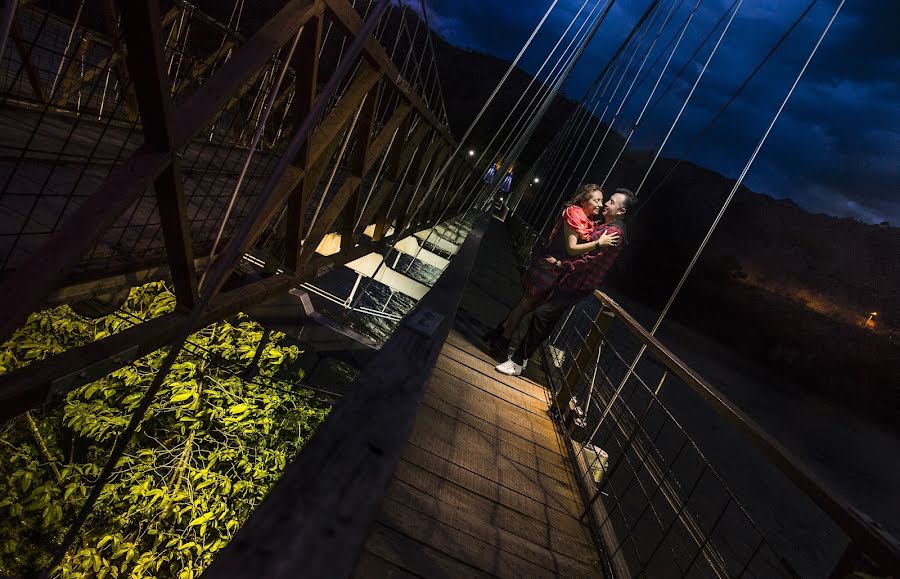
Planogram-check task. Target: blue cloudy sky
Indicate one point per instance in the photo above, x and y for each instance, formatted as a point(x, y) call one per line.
point(836, 147)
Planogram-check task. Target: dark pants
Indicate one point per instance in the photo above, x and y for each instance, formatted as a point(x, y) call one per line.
point(543, 320)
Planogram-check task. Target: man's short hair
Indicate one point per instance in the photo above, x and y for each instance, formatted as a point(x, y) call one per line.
point(628, 198)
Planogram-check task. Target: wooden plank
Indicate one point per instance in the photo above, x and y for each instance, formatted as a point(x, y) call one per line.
point(462, 395)
point(504, 541)
point(316, 518)
point(486, 369)
point(448, 430)
point(417, 557)
point(488, 463)
point(465, 547)
point(140, 23)
point(505, 431)
point(485, 509)
point(500, 386)
point(371, 565)
point(513, 492)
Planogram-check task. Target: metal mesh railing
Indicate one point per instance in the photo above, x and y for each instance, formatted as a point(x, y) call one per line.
point(678, 482)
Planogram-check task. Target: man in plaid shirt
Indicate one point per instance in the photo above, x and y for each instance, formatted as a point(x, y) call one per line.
point(581, 276)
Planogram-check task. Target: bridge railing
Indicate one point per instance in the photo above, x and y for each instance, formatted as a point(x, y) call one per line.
point(678, 480)
point(139, 145)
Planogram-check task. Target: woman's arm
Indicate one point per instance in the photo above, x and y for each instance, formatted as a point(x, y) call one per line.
point(573, 248)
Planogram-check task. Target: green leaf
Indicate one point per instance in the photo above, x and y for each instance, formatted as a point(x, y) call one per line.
point(239, 408)
point(182, 397)
point(200, 520)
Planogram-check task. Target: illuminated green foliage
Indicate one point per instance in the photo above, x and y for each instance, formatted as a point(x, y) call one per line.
point(215, 438)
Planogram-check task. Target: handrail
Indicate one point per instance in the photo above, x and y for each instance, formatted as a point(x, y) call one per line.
point(866, 534)
point(315, 520)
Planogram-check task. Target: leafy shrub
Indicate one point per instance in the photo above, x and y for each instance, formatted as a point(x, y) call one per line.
point(215, 438)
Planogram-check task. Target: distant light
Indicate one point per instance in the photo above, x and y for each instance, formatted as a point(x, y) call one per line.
point(501, 199)
point(536, 180)
point(874, 313)
point(471, 153)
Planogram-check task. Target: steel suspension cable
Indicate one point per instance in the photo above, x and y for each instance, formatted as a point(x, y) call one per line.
point(718, 115)
point(662, 72)
point(628, 91)
point(526, 136)
point(712, 228)
point(736, 5)
point(563, 165)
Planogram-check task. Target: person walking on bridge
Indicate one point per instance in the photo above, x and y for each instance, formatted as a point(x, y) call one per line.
point(579, 277)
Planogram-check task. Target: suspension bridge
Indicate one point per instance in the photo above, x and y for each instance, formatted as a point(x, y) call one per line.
point(245, 154)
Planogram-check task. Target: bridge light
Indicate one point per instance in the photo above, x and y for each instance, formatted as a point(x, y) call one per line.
point(471, 153)
point(536, 180)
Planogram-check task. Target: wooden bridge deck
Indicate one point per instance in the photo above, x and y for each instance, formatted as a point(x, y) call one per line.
point(484, 486)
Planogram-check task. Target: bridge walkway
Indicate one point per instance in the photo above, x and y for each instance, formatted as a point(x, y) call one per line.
point(484, 486)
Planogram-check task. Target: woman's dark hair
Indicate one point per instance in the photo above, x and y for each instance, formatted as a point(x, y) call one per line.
point(583, 194)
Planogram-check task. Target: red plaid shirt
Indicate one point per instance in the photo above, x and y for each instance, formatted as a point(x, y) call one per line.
point(585, 273)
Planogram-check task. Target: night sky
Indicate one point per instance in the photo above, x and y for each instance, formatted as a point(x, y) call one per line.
point(836, 147)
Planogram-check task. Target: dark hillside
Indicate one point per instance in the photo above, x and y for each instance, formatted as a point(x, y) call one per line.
point(789, 288)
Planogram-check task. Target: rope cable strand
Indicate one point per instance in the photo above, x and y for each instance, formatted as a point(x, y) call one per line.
point(737, 184)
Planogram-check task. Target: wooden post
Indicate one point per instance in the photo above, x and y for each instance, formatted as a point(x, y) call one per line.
point(25, 54)
point(141, 25)
point(358, 165)
point(306, 59)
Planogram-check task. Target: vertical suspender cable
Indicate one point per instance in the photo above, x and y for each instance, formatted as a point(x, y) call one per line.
point(725, 204)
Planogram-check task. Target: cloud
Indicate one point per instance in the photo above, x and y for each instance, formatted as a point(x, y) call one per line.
point(836, 145)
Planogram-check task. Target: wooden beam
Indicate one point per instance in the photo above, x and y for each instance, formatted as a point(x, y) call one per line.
point(30, 387)
point(359, 164)
point(415, 178)
point(140, 23)
point(315, 520)
point(70, 70)
point(347, 18)
point(245, 63)
point(27, 288)
point(379, 204)
point(421, 196)
point(25, 54)
point(305, 86)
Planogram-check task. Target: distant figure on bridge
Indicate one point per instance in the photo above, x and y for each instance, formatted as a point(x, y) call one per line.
point(506, 184)
point(489, 174)
point(570, 237)
point(580, 273)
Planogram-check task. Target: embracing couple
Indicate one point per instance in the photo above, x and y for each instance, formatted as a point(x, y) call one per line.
point(585, 241)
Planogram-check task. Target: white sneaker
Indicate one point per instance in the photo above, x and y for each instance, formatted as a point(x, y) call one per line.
point(509, 368)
